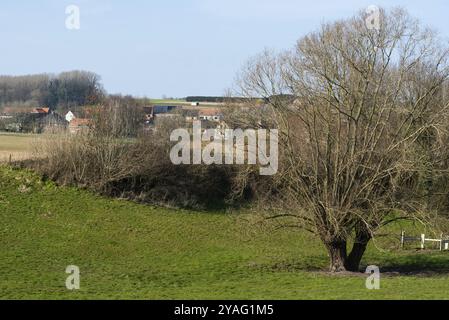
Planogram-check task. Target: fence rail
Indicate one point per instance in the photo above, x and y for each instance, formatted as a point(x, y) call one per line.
point(442, 241)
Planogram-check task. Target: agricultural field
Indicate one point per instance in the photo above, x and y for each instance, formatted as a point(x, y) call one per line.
point(183, 103)
point(131, 251)
point(17, 146)
point(168, 101)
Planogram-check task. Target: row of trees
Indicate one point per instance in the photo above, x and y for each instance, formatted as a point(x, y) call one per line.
point(65, 90)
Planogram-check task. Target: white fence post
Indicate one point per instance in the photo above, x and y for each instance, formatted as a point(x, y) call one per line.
point(423, 241)
point(402, 239)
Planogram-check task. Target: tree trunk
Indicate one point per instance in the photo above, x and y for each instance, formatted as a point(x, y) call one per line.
point(355, 257)
point(338, 255)
point(358, 250)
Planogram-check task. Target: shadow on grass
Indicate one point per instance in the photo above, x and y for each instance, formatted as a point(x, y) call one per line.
point(419, 263)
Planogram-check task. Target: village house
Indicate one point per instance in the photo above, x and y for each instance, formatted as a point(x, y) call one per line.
point(36, 120)
point(70, 116)
point(210, 114)
point(41, 111)
point(84, 113)
point(47, 120)
point(79, 121)
point(79, 125)
point(191, 115)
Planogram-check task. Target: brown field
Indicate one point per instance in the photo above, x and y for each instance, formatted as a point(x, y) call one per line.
point(16, 146)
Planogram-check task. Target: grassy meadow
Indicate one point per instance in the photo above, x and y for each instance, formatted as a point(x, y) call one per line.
point(18, 146)
point(127, 250)
point(169, 101)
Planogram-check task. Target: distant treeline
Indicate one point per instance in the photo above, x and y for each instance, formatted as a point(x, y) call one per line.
point(65, 90)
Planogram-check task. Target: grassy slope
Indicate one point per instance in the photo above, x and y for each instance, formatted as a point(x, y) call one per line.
point(126, 250)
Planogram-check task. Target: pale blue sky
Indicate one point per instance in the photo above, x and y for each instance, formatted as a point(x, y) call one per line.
point(171, 47)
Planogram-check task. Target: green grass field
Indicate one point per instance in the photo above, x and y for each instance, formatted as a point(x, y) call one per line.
point(126, 250)
point(168, 101)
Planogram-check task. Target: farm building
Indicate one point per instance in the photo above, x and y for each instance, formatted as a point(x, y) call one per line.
point(163, 109)
point(53, 122)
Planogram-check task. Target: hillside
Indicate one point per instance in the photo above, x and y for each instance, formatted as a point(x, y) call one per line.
point(125, 250)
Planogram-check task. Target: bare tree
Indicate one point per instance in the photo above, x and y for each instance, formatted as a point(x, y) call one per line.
point(350, 103)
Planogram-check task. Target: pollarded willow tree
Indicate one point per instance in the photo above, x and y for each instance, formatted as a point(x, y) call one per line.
point(350, 102)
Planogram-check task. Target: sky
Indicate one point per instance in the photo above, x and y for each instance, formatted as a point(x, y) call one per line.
point(173, 48)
